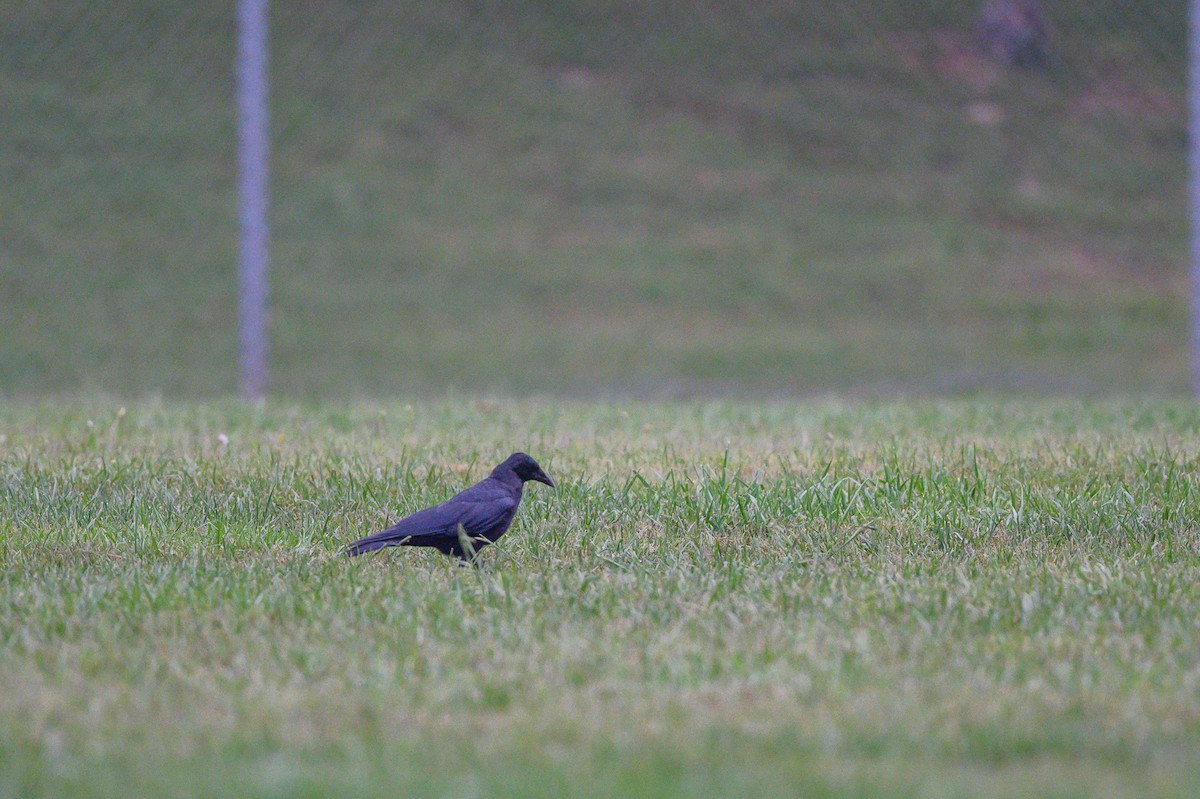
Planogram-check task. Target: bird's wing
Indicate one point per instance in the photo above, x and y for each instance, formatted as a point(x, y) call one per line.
point(487, 517)
point(484, 510)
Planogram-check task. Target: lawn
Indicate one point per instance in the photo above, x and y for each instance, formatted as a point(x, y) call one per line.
point(630, 200)
point(944, 598)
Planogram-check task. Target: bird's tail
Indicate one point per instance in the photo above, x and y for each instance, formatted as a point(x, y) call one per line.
point(374, 542)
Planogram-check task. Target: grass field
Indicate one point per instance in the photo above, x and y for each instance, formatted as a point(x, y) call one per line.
point(598, 198)
point(928, 599)
point(644, 207)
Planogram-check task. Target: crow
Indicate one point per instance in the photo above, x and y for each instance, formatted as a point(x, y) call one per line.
point(469, 520)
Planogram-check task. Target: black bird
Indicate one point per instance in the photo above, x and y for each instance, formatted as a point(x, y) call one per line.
point(469, 520)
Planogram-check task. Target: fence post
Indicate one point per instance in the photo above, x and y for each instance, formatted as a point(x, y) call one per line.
point(252, 191)
point(1194, 182)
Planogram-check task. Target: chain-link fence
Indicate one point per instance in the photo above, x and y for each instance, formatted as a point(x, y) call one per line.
point(624, 196)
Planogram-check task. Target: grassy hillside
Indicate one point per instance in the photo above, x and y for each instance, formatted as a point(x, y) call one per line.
point(719, 599)
point(575, 198)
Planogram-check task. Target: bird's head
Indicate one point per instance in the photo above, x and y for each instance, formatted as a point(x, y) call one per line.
point(526, 468)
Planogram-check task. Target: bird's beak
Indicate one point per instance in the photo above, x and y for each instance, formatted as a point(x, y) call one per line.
point(542, 477)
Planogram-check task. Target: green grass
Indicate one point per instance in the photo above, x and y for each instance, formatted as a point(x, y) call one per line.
point(720, 599)
point(598, 198)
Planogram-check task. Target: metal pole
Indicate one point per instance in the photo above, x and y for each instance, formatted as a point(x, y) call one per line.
point(1194, 180)
point(252, 189)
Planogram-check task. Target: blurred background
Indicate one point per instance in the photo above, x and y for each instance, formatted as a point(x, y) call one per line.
point(603, 197)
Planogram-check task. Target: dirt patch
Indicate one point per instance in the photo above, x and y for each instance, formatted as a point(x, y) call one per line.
point(947, 55)
point(1115, 94)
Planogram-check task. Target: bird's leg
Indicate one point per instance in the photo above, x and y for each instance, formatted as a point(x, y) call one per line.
point(466, 545)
